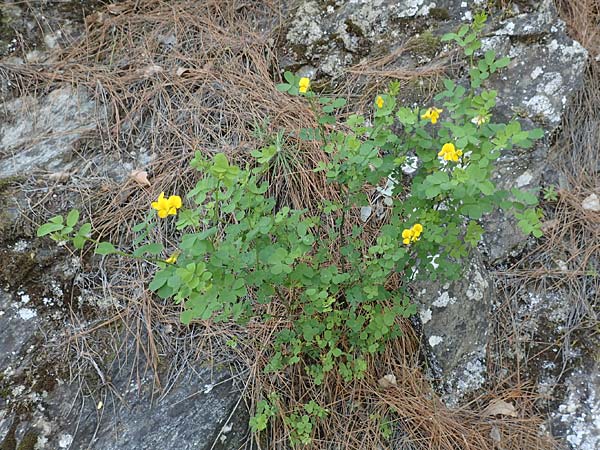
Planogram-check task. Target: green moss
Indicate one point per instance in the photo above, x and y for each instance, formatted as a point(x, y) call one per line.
point(425, 44)
point(29, 441)
point(9, 442)
point(353, 28)
point(439, 13)
point(9, 182)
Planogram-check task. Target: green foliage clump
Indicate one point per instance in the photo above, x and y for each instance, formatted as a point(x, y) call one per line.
point(240, 250)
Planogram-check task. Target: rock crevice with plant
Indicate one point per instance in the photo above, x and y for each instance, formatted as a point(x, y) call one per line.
point(336, 292)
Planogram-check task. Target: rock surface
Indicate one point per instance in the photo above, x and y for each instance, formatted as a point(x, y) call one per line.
point(39, 132)
point(455, 318)
point(202, 410)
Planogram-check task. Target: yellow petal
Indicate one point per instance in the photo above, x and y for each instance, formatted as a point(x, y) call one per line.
point(379, 101)
point(162, 213)
point(448, 147)
point(406, 234)
point(418, 228)
point(175, 201)
point(303, 84)
point(406, 241)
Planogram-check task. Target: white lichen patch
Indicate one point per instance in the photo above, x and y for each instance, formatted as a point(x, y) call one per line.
point(410, 8)
point(541, 104)
point(305, 29)
point(552, 83)
point(473, 376)
point(27, 313)
point(425, 315)
point(20, 246)
point(410, 166)
point(435, 340)
point(444, 300)
point(478, 286)
point(536, 72)
point(466, 379)
point(524, 179)
point(580, 411)
point(65, 440)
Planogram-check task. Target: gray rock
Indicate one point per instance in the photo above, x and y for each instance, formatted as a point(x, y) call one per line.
point(455, 319)
point(547, 68)
point(577, 418)
point(334, 36)
point(18, 323)
point(202, 411)
point(39, 132)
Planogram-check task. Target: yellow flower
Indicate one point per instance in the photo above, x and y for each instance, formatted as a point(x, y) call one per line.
point(449, 152)
point(167, 206)
point(303, 85)
point(172, 259)
point(412, 234)
point(432, 114)
point(379, 101)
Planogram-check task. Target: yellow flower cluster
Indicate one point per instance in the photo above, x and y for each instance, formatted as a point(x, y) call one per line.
point(412, 234)
point(450, 153)
point(432, 114)
point(167, 206)
point(379, 101)
point(303, 85)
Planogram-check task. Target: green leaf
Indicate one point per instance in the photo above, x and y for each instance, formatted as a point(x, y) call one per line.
point(153, 249)
point(56, 219)
point(502, 62)
point(289, 77)
point(283, 87)
point(72, 217)
point(536, 133)
point(78, 242)
point(48, 228)
point(339, 102)
point(449, 37)
point(85, 230)
point(105, 248)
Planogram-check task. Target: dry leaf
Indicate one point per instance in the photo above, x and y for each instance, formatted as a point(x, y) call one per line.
point(499, 407)
point(365, 213)
point(150, 70)
point(181, 71)
point(591, 203)
point(496, 434)
point(387, 381)
point(117, 9)
point(59, 177)
point(140, 177)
